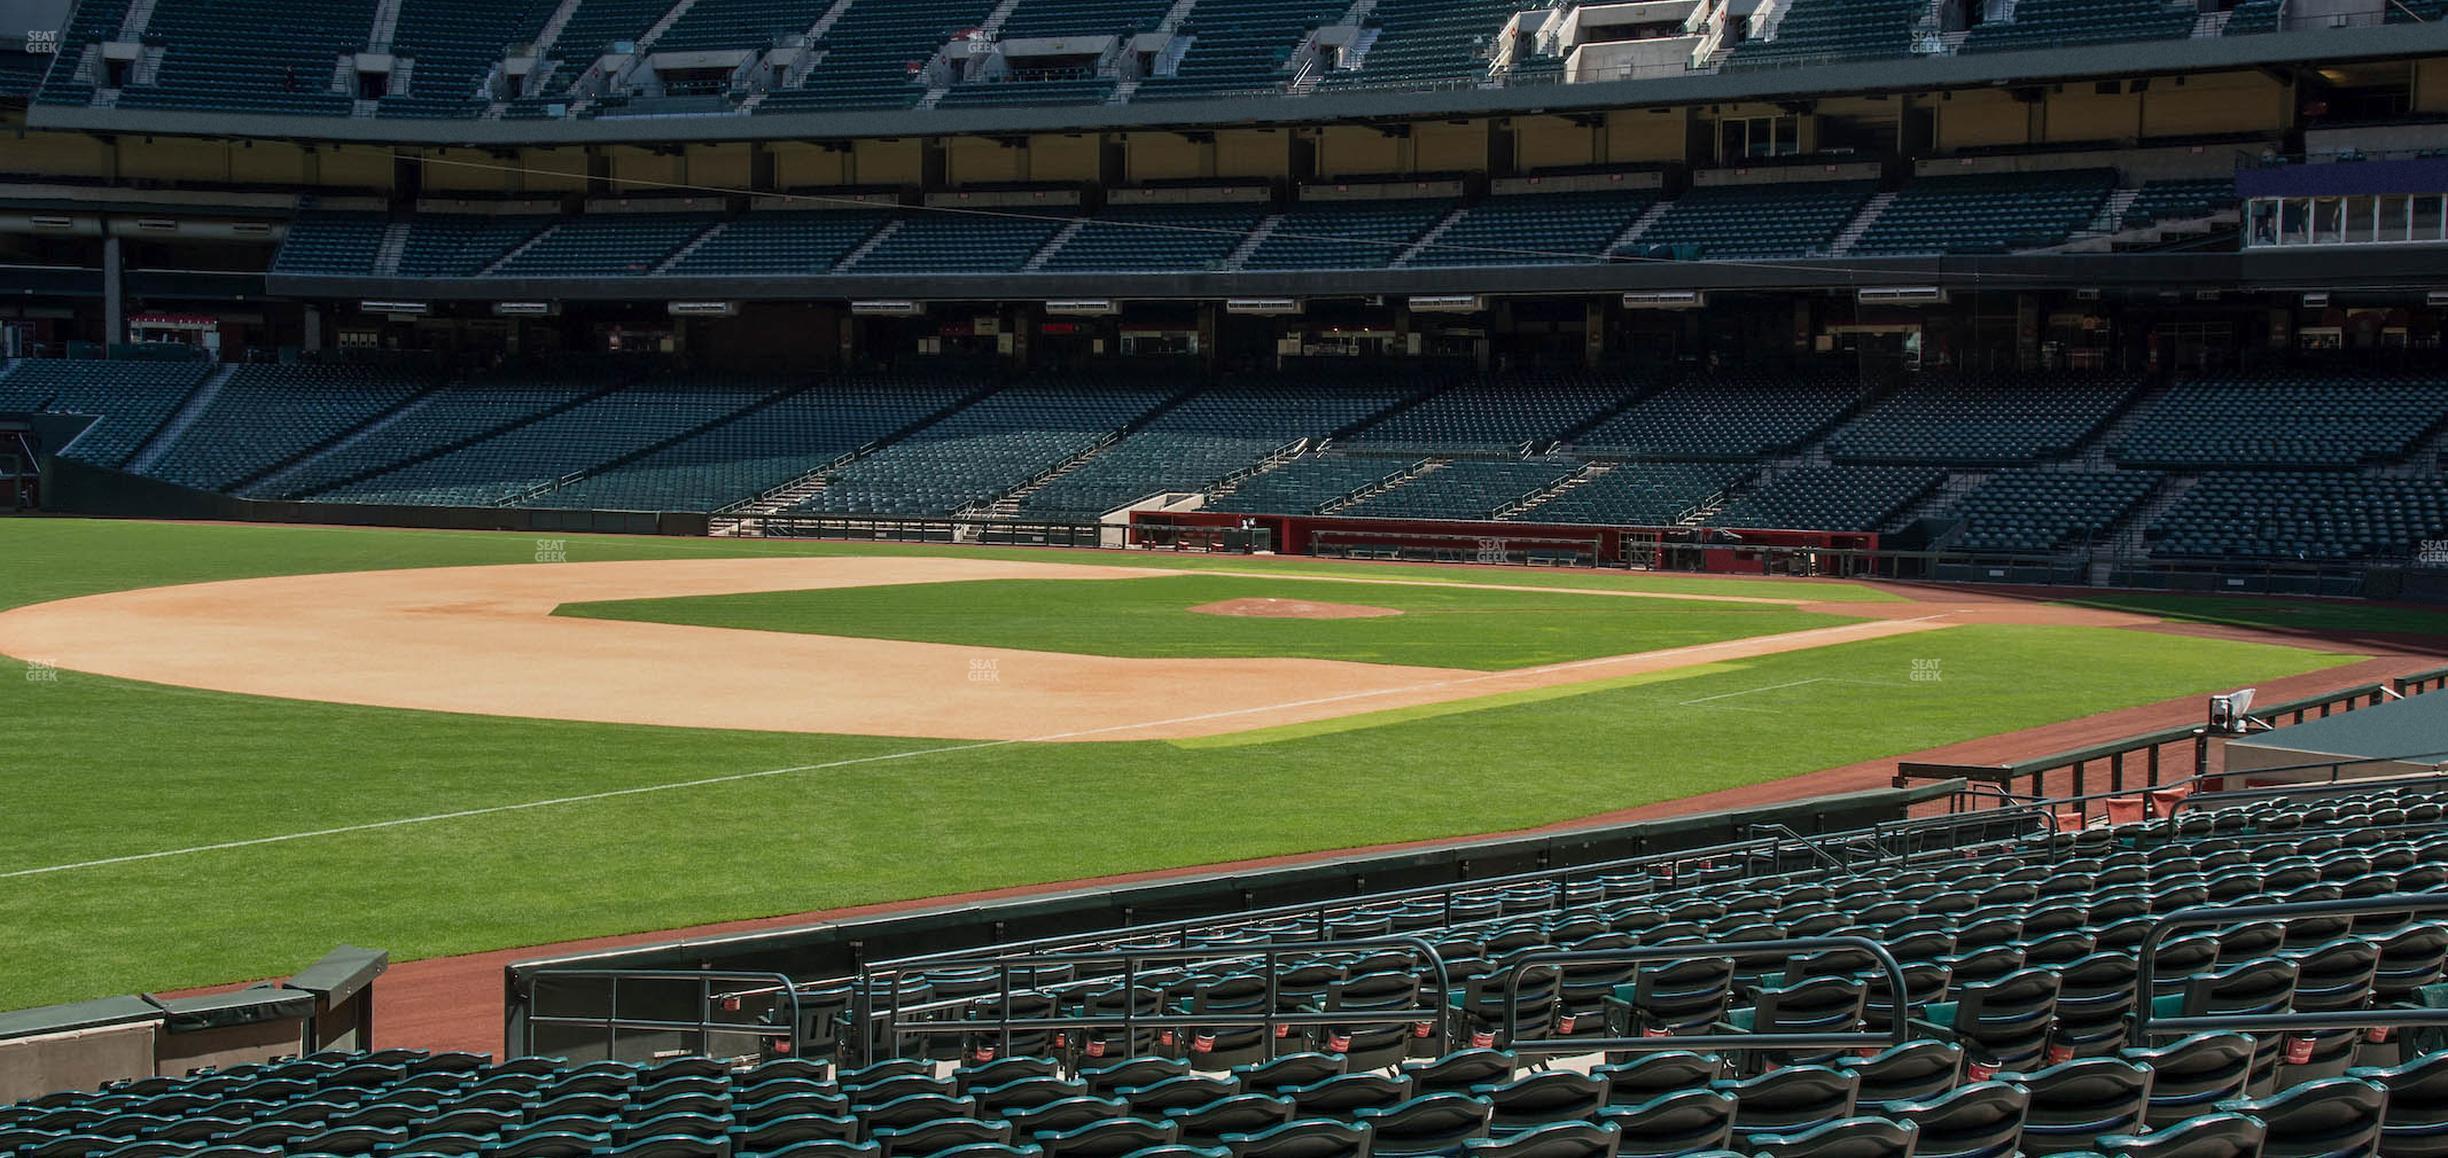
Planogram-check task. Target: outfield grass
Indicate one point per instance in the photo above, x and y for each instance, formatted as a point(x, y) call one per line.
point(102, 769)
point(2321, 616)
point(1442, 626)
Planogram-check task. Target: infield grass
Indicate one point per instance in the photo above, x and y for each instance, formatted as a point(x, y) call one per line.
point(474, 842)
point(1439, 626)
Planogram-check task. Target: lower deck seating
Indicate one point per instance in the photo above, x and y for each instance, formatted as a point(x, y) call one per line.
point(1636, 494)
point(983, 451)
point(129, 400)
point(2038, 510)
point(524, 459)
point(2303, 517)
point(266, 415)
point(1830, 498)
point(442, 420)
point(1466, 489)
point(2285, 422)
point(1146, 464)
point(1496, 416)
point(2018, 1011)
point(757, 451)
point(1977, 421)
point(1208, 438)
point(1309, 484)
point(1735, 416)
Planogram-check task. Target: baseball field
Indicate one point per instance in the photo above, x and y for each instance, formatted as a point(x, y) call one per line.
point(249, 743)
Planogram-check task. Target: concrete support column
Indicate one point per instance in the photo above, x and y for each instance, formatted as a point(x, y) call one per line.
point(114, 298)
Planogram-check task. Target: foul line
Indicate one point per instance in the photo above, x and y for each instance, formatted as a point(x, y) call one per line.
point(736, 777)
point(1749, 691)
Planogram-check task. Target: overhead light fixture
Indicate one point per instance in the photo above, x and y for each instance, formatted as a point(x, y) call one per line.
point(1665, 300)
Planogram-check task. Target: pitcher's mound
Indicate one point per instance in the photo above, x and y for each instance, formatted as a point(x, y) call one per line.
point(1292, 609)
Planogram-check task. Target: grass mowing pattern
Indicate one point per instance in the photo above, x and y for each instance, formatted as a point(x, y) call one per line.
point(102, 768)
point(1451, 627)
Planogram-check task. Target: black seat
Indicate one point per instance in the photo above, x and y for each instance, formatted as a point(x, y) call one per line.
point(1458, 1071)
point(1683, 997)
point(1818, 1005)
point(2417, 1121)
point(1432, 1124)
point(1300, 1138)
point(1674, 1123)
point(914, 1110)
point(2069, 1104)
point(1282, 1073)
point(2190, 1076)
point(1846, 1138)
point(2332, 978)
point(1791, 1100)
point(1064, 1114)
point(1110, 1138)
point(1240, 1114)
point(774, 1133)
point(1552, 1096)
point(1983, 1120)
point(2207, 1136)
point(2327, 1118)
point(1337, 1097)
point(2003, 1024)
point(1912, 1072)
point(2095, 1001)
point(1182, 1093)
point(1648, 1075)
point(1555, 1140)
point(939, 1135)
point(1142, 1071)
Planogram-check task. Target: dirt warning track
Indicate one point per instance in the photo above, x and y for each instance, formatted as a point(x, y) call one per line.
point(483, 640)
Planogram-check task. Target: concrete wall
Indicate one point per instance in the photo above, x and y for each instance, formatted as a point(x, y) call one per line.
point(77, 1059)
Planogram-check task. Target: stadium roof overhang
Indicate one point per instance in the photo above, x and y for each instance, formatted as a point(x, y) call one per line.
point(2407, 270)
point(2283, 50)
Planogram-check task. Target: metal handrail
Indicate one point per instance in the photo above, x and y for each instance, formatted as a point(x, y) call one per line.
point(2009, 799)
point(2146, 968)
point(1320, 912)
point(1780, 832)
point(612, 1022)
point(864, 1016)
point(1898, 1033)
point(2225, 797)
